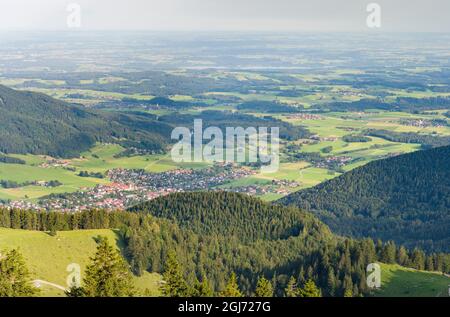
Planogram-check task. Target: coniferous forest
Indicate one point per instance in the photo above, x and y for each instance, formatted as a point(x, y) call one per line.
point(205, 238)
point(404, 198)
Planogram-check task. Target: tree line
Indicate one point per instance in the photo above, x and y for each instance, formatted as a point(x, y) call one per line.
point(282, 245)
point(403, 198)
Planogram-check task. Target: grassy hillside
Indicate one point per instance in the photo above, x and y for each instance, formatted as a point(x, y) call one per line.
point(403, 198)
point(404, 282)
point(47, 257)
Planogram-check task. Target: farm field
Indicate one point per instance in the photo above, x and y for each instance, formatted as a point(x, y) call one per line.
point(99, 159)
point(306, 89)
point(48, 257)
point(330, 128)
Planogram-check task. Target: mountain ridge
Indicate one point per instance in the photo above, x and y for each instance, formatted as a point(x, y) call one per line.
point(35, 123)
point(404, 198)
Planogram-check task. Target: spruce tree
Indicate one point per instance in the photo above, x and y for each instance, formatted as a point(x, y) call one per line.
point(309, 290)
point(202, 289)
point(232, 288)
point(14, 276)
point(174, 284)
point(108, 274)
point(388, 253)
point(291, 288)
point(402, 256)
point(418, 259)
point(331, 282)
point(264, 288)
point(348, 292)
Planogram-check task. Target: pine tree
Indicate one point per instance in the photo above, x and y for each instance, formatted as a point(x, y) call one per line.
point(174, 284)
point(232, 288)
point(309, 290)
point(291, 288)
point(202, 289)
point(418, 259)
point(108, 274)
point(348, 286)
point(75, 291)
point(388, 253)
point(264, 288)
point(348, 292)
point(402, 256)
point(14, 276)
point(429, 264)
point(331, 283)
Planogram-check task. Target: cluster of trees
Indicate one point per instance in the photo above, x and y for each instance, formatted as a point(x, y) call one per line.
point(15, 280)
point(175, 285)
point(427, 141)
point(62, 221)
point(327, 149)
point(91, 174)
point(11, 160)
point(107, 275)
point(163, 102)
point(355, 138)
point(13, 184)
point(405, 104)
point(404, 198)
point(266, 107)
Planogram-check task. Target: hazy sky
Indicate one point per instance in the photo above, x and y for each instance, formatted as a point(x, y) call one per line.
point(293, 15)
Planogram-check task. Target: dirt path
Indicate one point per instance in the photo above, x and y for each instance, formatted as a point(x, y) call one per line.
point(38, 283)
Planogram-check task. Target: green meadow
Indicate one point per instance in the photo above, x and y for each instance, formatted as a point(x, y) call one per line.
point(397, 281)
point(47, 257)
point(101, 158)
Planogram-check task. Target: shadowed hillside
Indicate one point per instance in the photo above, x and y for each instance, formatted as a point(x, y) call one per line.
point(404, 198)
point(38, 124)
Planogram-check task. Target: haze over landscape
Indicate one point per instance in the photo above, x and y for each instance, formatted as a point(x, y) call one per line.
point(88, 175)
point(233, 15)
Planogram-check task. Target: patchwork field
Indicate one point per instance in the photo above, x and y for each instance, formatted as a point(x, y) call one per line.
point(330, 128)
point(314, 89)
point(99, 159)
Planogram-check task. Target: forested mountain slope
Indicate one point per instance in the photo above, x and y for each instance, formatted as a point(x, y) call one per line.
point(214, 234)
point(38, 124)
point(224, 232)
point(404, 198)
point(230, 214)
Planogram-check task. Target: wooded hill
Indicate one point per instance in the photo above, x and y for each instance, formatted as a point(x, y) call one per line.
point(404, 198)
point(38, 124)
point(215, 234)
